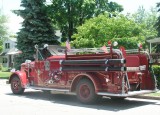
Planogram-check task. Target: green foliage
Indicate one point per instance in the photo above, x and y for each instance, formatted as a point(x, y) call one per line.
point(98, 31)
point(3, 69)
point(4, 75)
point(69, 14)
point(1, 66)
point(3, 28)
point(156, 69)
point(157, 25)
point(147, 19)
point(129, 43)
point(158, 20)
point(1, 45)
point(36, 28)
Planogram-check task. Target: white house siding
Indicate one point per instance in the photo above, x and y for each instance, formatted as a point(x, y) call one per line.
point(12, 44)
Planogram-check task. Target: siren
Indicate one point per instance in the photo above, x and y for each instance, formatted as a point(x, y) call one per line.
point(109, 43)
point(115, 43)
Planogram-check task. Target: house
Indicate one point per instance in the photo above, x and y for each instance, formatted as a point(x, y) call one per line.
point(153, 41)
point(155, 56)
point(9, 52)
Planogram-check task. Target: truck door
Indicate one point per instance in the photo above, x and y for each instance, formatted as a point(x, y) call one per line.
point(52, 74)
point(39, 70)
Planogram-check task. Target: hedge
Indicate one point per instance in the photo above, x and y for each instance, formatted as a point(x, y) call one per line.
point(156, 69)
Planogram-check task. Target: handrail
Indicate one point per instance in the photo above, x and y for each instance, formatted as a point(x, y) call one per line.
point(119, 52)
point(96, 50)
point(137, 51)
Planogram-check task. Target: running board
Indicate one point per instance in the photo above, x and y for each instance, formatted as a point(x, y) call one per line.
point(50, 89)
point(130, 93)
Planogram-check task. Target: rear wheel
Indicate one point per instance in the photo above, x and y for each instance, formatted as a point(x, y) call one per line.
point(86, 92)
point(16, 86)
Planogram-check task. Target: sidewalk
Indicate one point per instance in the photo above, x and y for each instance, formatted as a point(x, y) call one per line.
point(3, 81)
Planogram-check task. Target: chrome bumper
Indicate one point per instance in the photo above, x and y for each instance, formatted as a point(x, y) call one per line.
point(130, 93)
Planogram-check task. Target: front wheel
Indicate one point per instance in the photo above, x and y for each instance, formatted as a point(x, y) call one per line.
point(16, 86)
point(86, 92)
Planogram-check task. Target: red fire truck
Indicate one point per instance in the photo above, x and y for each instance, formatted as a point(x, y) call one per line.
point(90, 73)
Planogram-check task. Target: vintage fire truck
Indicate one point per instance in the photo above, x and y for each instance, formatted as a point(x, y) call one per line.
point(90, 73)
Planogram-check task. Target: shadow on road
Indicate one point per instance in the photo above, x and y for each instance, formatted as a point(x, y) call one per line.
point(105, 103)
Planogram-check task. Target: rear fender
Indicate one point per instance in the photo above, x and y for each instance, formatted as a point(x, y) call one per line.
point(94, 79)
point(22, 76)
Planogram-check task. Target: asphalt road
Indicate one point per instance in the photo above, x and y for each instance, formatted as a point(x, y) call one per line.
point(34, 102)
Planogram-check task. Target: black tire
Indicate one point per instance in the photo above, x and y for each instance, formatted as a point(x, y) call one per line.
point(16, 86)
point(86, 92)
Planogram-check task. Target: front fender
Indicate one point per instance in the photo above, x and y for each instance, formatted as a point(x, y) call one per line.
point(21, 75)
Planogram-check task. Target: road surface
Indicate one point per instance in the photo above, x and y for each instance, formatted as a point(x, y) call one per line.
point(35, 102)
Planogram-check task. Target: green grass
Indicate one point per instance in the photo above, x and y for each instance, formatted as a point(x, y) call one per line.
point(5, 75)
point(157, 94)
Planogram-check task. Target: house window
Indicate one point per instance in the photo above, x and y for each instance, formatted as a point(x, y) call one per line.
point(4, 60)
point(7, 45)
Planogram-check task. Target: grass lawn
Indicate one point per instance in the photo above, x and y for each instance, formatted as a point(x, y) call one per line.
point(5, 75)
point(157, 94)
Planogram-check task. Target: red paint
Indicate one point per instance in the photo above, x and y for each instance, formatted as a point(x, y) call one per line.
point(49, 73)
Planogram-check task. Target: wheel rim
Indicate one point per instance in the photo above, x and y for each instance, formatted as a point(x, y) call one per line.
point(16, 85)
point(84, 91)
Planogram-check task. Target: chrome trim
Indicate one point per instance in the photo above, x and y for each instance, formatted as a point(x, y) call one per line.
point(130, 93)
point(133, 69)
point(51, 89)
point(119, 52)
point(60, 69)
point(60, 62)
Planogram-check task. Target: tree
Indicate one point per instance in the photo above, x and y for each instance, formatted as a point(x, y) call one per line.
point(147, 19)
point(129, 42)
point(36, 28)
point(157, 25)
point(3, 30)
point(1, 46)
point(3, 27)
point(158, 20)
point(97, 31)
point(69, 14)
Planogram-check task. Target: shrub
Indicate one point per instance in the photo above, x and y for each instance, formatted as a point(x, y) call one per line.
point(1, 66)
point(97, 31)
point(156, 69)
